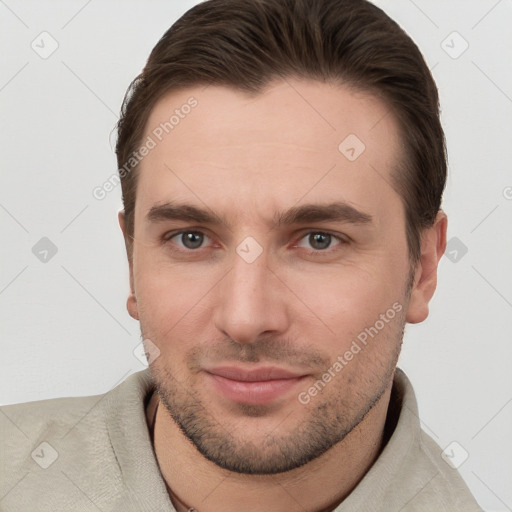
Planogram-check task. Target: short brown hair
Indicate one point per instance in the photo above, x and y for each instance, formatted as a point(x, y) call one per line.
point(245, 44)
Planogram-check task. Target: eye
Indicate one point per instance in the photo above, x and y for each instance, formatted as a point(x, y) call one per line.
point(319, 241)
point(189, 239)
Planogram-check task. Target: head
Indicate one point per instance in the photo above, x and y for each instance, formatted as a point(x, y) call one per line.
point(284, 214)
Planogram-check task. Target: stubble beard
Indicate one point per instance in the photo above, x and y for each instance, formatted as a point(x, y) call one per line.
point(324, 423)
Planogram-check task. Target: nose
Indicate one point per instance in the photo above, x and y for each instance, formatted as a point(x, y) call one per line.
point(251, 301)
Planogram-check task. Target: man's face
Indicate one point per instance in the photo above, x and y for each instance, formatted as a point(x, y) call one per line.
point(263, 255)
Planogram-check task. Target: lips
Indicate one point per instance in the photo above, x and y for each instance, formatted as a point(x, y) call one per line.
point(253, 375)
point(253, 386)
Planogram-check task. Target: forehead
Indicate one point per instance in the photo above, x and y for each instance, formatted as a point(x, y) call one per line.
point(295, 139)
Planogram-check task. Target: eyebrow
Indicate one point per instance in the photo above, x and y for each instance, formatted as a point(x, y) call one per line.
point(184, 212)
point(308, 213)
point(333, 212)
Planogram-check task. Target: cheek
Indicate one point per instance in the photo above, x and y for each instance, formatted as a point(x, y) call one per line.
point(172, 303)
point(357, 316)
point(347, 297)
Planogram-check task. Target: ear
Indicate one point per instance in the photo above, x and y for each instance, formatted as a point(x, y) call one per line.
point(433, 245)
point(131, 303)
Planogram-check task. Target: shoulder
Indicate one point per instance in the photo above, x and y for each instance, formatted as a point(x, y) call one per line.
point(53, 416)
point(446, 485)
point(36, 434)
point(50, 446)
point(425, 467)
point(58, 417)
point(411, 474)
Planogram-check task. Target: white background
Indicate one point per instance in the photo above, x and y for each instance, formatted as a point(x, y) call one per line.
point(64, 327)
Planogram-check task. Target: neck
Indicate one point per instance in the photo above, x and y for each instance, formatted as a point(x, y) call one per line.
point(196, 483)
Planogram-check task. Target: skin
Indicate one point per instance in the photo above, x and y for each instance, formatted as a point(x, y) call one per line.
point(298, 306)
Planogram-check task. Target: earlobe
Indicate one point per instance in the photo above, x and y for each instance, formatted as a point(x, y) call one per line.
point(131, 306)
point(131, 302)
point(433, 245)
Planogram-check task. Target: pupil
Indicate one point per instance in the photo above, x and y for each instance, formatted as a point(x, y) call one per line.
point(192, 240)
point(320, 240)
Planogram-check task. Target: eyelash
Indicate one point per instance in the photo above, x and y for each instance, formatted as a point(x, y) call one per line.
point(318, 252)
point(341, 239)
point(167, 238)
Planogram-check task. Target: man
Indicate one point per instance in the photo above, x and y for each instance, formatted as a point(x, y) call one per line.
point(282, 165)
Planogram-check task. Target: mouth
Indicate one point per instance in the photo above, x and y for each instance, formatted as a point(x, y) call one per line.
point(255, 386)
